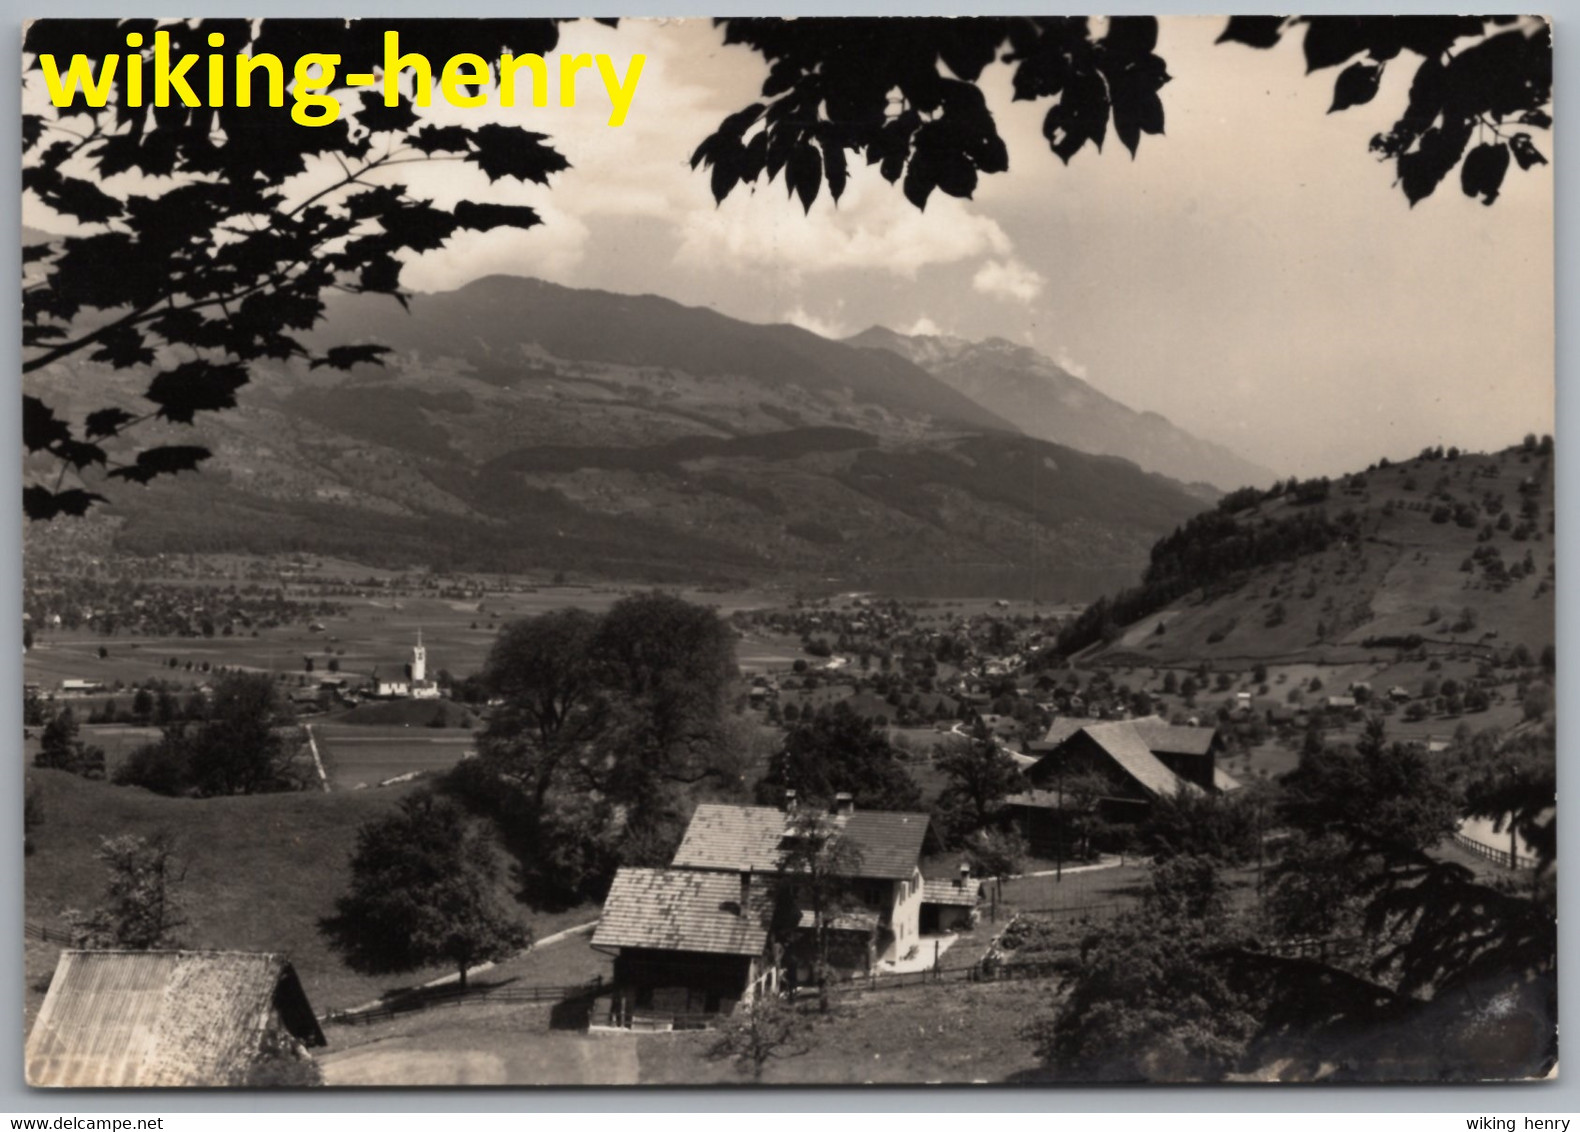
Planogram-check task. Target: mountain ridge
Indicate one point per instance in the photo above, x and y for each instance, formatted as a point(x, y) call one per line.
point(1049, 402)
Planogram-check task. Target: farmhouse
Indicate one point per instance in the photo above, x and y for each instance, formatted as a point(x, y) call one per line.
point(694, 938)
point(1138, 760)
point(116, 1019)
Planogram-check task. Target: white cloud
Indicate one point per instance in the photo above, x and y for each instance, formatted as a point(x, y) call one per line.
point(826, 327)
point(924, 327)
point(874, 228)
point(1008, 279)
point(1069, 365)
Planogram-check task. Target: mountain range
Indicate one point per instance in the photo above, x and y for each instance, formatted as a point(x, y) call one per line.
point(1047, 401)
point(518, 425)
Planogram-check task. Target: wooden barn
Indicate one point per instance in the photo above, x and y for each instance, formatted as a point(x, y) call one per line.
point(119, 1019)
point(686, 943)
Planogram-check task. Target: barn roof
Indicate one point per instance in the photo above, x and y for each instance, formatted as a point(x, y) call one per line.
point(684, 910)
point(1160, 735)
point(162, 1018)
point(1058, 731)
point(751, 837)
point(1123, 743)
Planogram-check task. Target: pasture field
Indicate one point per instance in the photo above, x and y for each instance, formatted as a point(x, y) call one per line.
point(363, 756)
point(260, 871)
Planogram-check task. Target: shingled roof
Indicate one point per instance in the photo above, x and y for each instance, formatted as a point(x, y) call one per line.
point(122, 1019)
point(684, 910)
point(1160, 735)
point(1058, 731)
point(751, 837)
point(1123, 743)
point(889, 843)
point(732, 837)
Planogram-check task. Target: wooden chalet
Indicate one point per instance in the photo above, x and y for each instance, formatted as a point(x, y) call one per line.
point(1140, 761)
point(693, 939)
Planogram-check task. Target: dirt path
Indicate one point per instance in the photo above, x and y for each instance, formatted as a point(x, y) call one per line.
point(549, 1058)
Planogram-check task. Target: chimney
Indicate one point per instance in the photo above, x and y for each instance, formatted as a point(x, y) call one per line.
point(844, 805)
point(746, 890)
point(789, 801)
point(965, 875)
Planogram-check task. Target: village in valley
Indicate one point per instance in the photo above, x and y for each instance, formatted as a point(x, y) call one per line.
point(951, 794)
point(530, 684)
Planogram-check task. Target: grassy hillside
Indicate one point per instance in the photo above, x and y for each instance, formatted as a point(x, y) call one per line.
point(1445, 554)
point(260, 871)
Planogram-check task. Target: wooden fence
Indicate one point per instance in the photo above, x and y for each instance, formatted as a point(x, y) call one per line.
point(457, 996)
point(1501, 857)
point(48, 935)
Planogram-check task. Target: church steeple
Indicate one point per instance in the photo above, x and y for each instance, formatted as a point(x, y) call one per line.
point(419, 661)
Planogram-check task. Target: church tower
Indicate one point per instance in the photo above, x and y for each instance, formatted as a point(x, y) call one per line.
point(419, 661)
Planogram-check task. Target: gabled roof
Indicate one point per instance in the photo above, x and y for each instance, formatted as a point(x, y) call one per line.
point(732, 837)
point(751, 837)
point(943, 890)
point(1224, 782)
point(889, 843)
point(162, 1018)
point(1123, 743)
point(685, 910)
point(1160, 735)
point(1058, 731)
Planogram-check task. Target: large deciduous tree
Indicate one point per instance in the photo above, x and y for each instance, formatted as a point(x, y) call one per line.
point(904, 94)
point(839, 752)
point(980, 774)
point(422, 893)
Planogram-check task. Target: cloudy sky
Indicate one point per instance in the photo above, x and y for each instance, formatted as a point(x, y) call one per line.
point(1253, 274)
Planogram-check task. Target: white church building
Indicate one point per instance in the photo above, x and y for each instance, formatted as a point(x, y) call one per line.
point(416, 685)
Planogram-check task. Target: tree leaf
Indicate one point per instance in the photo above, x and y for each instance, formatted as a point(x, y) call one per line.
point(1483, 171)
point(1330, 40)
point(106, 422)
point(1423, 169)
point(166, 460)
point(380, 119)
point(195, 387)
point(1253, 31)
point(1524, 152)
point(834, 168)
point(440, 139)
point(806, 168)
point(484, 217)
point(510, 151)
point(40, 426)
point(78, 453)
point(42, 504)
point(1355, 86)
point(345, 357)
